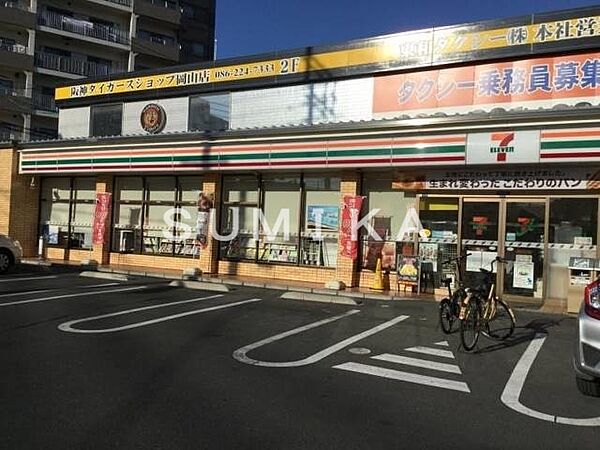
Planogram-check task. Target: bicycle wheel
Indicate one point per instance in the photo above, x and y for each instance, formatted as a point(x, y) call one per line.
point(470, 325)
point(502, 325)
point(446, 316)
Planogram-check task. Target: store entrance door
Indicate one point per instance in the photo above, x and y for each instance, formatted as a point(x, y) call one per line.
point(524, 231)
point(513, 229)
point(480, 236)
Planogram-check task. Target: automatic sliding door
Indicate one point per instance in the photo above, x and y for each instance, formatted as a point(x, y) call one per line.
point(480, 231)
point(524, 248)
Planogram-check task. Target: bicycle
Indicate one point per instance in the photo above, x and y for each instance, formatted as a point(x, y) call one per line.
point(449, 309)
point(483, 312)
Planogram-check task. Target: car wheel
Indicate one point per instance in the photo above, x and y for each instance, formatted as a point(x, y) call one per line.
point(587, 387)
point(6, 261)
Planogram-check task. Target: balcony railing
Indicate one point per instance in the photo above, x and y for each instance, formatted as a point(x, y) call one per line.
point(121, 2)
point(74, 65)
point(6, 91)
point(9, 46)
point(14, 4)
point(44, 102)
point(167, 41)
point(171, 4)
point(82, 27)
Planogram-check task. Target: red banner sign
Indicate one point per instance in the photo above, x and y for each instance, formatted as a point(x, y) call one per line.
point(349, 243)
point(100, 218)
point(532, 82)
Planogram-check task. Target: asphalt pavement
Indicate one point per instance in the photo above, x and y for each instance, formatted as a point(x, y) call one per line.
point(94, 364)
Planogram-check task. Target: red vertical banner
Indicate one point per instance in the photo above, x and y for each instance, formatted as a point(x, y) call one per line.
point(350, 208)
point(100, 217)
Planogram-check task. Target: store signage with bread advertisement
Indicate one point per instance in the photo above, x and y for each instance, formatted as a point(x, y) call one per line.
point(503, 148)
point(500, 180)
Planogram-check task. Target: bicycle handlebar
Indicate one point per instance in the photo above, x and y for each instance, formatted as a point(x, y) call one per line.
point(458, 258)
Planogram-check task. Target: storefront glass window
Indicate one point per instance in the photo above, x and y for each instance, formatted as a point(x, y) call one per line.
point(82, 212)
point(439, 217)
point(322, 206)
point(67, 210)
point(393, 205)
point(129, 194)
point(299, 198)
point(281, 196)
point(572, 234)
point(240, 199)
point(164, 208)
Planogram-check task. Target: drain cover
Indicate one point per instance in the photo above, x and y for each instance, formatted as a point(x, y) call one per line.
point(359, 351)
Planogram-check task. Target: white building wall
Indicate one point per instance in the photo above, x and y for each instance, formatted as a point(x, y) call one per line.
point(176, 110)
point(338, 101)
point(74, 122)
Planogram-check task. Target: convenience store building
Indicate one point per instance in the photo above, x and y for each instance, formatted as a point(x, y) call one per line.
point(488, 131)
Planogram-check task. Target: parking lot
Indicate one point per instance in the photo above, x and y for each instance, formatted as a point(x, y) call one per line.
point(92, 363)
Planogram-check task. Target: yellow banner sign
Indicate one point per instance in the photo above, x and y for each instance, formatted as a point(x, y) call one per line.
point(403, 50)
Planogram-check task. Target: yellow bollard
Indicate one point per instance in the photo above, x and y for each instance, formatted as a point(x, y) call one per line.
point(378, 279)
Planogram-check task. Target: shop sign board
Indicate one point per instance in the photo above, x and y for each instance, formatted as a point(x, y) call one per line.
point(351, 207)
point(100, 217)
point(501, 180)
point(540, 82)
point(422, 48)
point(504, 147)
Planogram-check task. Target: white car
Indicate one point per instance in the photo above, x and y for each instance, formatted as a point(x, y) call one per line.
point(586, 358)
point(10, 253)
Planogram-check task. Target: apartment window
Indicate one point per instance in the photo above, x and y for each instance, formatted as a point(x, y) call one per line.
point(157, 215)
point(106, 120)
point(209, 112)
point(67, 211)
point(309, 205)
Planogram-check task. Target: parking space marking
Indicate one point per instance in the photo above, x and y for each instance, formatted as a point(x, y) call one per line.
point(82, 294)
point(241, 353)
point(514, 386)
point(68, 326)
point(432, 351)
point(100, 285)
point(47, 277)
point(442, 344)
point(15, 294)
point(442, 367)
point(404, 376)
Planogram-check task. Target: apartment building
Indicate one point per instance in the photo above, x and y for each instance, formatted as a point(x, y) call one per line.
point(44, 43)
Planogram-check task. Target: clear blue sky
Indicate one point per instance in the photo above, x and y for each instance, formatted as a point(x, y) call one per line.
point(246, 27)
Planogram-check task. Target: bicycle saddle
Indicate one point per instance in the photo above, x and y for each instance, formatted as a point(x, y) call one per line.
point(446, 281)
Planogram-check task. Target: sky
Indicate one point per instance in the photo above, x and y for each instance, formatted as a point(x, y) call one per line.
point(248, 27)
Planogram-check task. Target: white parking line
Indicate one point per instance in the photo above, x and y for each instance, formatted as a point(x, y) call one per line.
point(99, 285)
point(82, 294)
point(514, 386)
point(47, 277)
point(404, 376)
point(432, 351)
point(68, 326)
point(443, 367)
point(15, 294)
point(240, 354)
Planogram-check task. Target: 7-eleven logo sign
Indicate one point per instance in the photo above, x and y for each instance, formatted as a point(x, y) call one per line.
point(503, 148)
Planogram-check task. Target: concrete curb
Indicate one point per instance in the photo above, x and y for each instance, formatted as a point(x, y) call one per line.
point(322, 298)
point(104, 276)
point(200, 285)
